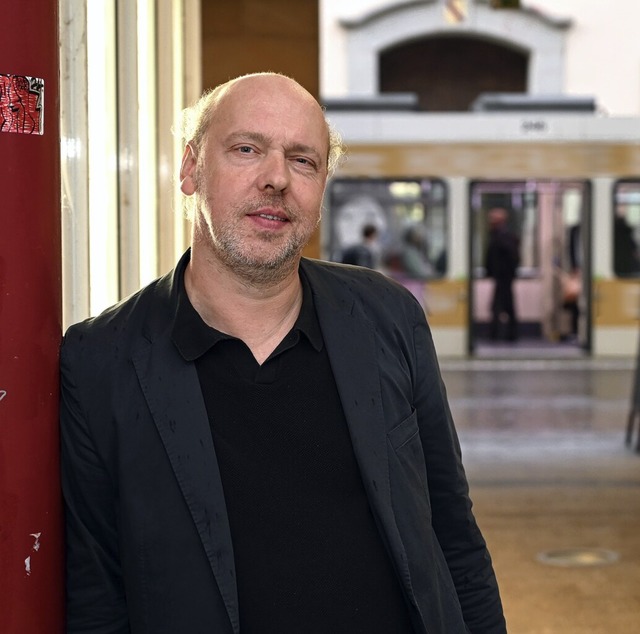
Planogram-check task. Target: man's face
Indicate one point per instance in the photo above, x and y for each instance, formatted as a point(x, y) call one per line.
point(261, 176)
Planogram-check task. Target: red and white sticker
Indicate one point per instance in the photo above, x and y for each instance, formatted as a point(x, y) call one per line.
point(21, 104)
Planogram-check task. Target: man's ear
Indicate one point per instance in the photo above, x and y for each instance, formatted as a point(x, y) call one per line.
point(188, 171)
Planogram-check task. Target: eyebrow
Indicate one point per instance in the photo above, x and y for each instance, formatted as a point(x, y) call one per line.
point(258, 137)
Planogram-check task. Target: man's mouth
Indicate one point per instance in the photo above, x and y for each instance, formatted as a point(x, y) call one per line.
point(272, 217)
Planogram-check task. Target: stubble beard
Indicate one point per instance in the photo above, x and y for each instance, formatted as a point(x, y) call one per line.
point(258, 267)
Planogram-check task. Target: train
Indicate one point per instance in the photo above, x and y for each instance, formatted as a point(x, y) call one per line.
point(570, 183)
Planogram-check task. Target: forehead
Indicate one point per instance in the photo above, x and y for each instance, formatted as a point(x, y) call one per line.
point(275, 108)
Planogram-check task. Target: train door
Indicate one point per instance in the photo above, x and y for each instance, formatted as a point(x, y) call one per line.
point(542, 227)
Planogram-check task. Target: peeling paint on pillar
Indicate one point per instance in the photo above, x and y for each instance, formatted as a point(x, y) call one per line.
point(35, 548)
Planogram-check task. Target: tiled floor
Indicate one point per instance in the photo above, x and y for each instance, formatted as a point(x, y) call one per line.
point(543, 445)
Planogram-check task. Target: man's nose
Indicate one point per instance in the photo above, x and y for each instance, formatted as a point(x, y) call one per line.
point(274, 173)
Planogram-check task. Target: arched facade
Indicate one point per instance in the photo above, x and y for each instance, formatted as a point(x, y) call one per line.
point(539, 38)
point(448, 72)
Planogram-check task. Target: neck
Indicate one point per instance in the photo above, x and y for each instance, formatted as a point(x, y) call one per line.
point(258, 314)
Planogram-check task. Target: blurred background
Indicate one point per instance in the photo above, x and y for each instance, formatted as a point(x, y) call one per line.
point(451, 110)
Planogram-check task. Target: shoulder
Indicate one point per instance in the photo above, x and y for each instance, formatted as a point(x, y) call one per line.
point(371, 290)
point(123, 321)
point(340, 275)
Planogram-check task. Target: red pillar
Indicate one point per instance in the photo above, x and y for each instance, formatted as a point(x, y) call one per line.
point(31, 577)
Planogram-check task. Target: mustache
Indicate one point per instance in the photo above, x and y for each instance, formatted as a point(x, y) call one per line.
point(275, 201)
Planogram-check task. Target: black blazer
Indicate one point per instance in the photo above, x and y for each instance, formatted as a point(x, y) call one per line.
point(148, 543)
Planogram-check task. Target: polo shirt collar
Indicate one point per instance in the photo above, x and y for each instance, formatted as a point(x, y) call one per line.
point(193, 337)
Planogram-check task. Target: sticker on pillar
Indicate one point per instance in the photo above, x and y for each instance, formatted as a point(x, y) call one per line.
point(21, 104)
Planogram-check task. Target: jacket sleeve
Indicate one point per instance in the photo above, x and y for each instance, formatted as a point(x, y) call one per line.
point(95, 594)
point(455, 527)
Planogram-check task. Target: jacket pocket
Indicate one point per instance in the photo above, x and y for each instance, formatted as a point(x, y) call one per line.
point(404, 432)
point(407, 447)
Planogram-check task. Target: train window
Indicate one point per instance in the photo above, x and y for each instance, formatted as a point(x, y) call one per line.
point(626, 228)
point(407, 217)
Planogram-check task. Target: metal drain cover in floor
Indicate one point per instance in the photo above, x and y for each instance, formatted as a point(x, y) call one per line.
point(578, 557)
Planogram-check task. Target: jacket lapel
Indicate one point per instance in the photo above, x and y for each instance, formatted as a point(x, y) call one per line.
point(172, 391)
point(351, 343)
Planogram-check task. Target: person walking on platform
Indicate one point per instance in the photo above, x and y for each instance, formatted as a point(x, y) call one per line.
point(259, 442)
point(502, 260)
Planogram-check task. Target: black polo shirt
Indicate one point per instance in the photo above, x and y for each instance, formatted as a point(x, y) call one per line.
point(309, 558)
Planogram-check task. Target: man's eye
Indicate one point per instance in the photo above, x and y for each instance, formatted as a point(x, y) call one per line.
point(245, 149)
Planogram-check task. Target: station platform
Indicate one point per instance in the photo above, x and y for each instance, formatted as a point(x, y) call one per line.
point(555, 489)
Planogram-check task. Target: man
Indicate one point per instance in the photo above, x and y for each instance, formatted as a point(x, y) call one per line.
point(502, 260)
point(260, 443)
point(366, 252)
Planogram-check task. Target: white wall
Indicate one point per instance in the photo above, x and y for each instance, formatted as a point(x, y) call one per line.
point(602, 57)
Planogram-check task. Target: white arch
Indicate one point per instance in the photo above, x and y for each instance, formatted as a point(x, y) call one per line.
point(526, 29)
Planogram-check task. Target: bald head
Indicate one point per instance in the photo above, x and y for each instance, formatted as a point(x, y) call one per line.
point(498, 217)
point(292, 104)
point(197, 118)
